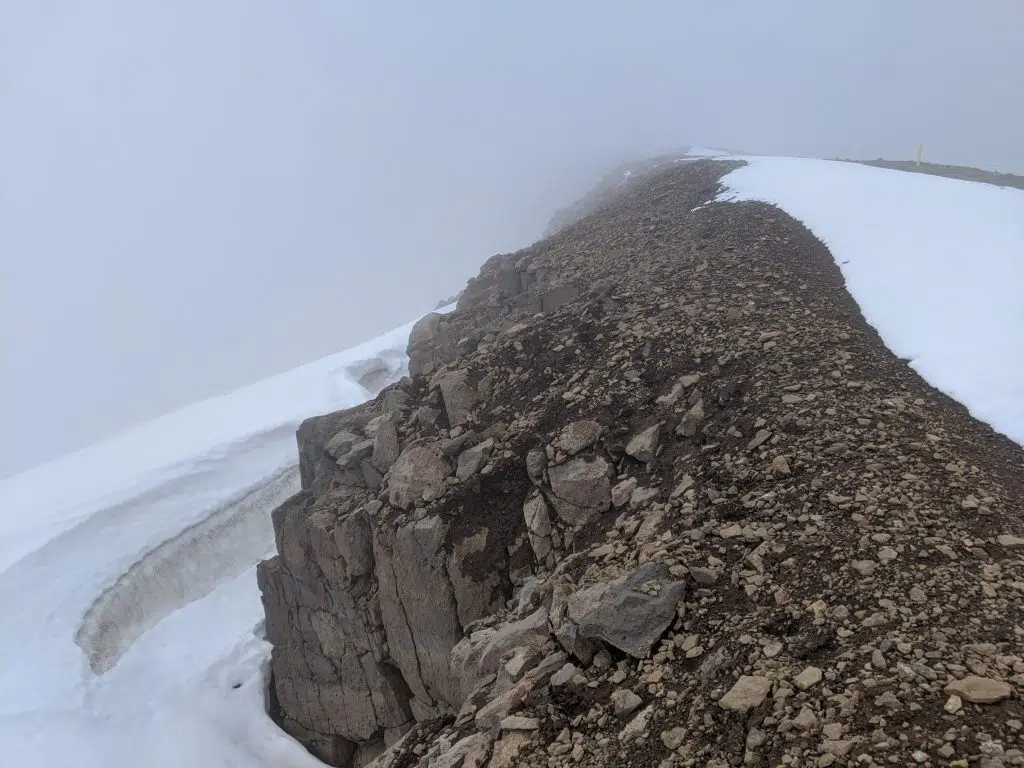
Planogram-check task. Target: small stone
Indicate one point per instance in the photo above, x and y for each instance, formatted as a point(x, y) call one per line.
point(520, 723)
point(954, 704)
point(637, 725)
point(917, 595)
point(644, 445)
point(704, 576)
point(864, 567)
point(621, 492)
point(674, 738)
point(749, 692)
point(772, 649)
point(731, 531)
point(564, 675)
point(780, 465)
point(759, 439)
point(807, 679)
point(1010, 541)
point(980, 690)
point(832, 731)
point(684, 485)
point(806, 720)
point(625, 702)
point(579, 435)
point(756, 738)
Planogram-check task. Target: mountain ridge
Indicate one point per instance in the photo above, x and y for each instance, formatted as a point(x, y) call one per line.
point(669, 410)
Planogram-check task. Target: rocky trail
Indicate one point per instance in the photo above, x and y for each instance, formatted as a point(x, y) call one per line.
point(655, 494)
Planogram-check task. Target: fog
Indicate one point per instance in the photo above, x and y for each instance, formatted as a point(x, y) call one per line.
point(197, 194)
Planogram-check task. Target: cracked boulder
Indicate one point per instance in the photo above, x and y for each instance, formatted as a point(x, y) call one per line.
point(580, 489)
point(630, 613)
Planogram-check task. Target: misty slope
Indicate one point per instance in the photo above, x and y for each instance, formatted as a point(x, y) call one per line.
point(663, 491)
point(131, 615)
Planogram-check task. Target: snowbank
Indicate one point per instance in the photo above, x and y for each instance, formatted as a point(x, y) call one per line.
point(936, 265)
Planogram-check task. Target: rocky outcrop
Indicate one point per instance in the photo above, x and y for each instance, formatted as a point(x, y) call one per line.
point(654, 495)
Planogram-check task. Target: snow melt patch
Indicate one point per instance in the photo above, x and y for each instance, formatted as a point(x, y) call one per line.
point(936, 265)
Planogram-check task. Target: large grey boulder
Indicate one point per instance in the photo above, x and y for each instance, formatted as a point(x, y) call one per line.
point(623, 613)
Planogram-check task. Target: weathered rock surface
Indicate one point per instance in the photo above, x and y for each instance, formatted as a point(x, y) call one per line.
point(686, 513)
point(630, 613)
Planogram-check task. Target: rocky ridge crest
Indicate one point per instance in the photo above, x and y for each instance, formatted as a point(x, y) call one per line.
point(654, 494)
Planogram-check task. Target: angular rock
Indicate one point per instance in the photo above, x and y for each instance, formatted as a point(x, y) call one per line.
point(691, 421)
point(625, 702)
point(342, 443)
point(578, 435)
point(473, 459)
point(538, 525)
point(644, 445)
point(980, 690)
point(620, 614)
point(421, 466)
point(564, 675)
point(580, 489)
point(808, 678)
point(684, 485)
point(749, 692)
point(385, 446)
point(507, 748)
point(479, 655)
point(459, 398)
point(478, 592)
point(1010, 541)
point(623, 491)
point(491, 714)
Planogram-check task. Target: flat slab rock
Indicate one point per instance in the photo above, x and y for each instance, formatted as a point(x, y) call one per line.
point(624, 613)
point(980, 690)
point(748, 693)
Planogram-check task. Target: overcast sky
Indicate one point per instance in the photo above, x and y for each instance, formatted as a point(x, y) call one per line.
point(200, 193)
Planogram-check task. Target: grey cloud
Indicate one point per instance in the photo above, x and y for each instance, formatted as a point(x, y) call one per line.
point(201, 194)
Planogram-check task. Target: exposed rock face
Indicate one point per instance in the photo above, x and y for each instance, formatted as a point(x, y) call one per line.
point(685, 512)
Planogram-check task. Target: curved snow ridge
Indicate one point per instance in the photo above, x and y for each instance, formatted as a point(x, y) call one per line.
point(181, 570)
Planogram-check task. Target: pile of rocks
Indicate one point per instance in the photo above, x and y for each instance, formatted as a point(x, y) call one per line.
point(654, 495)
